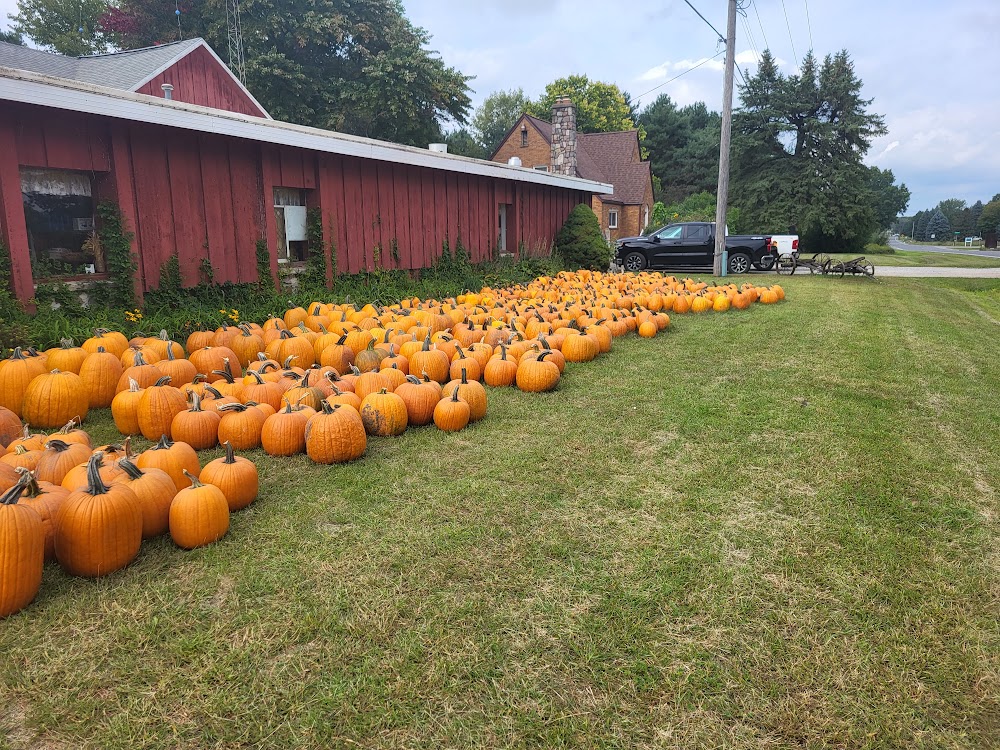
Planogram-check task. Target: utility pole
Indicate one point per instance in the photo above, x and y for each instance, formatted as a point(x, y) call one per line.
point(727, 134)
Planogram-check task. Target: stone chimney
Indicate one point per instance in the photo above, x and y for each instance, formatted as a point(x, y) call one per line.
point(564, 137)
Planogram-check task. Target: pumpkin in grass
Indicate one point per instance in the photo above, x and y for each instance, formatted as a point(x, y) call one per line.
point(32, 441)
point(420, 398)
point(471, 366)
point(262, 391)
point(230, 384)
point(500, 371)
point(108, 467)
point(66, 357)
point(432, 361)
point(99, 526)
point(383, 414)
point(142, 372)
point(164, 347)
point(198, 340)
point(246, 346)
point(452, 414)
point(10, 427)
point(537, 375)
point(22, 552)
point(175, 458)
point(211, 358)
point(335, 435)
point(155, 491)
point(112, 342)
point(346, 398)
point(100, 373)
point(46, 499)
point(236, 476)
point(195, 426)
point(647, 329)
point(284, 432)
point(125, 409)
point(470, 391)
point(58, 458)
point(199, 515)
point(53, 399)
point(580, 347)
point(180, 371)
point(241, 425)
point(16, 374)
point(158, 406)
point(21, 457)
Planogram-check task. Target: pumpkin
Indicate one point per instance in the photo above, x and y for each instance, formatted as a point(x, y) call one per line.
point(210, 359)
point(420, 399)
point(289, 346)
point(647, 329)
point(452, 414)
point(236, 476)
point(125, 409)
point(196, 427)
point(46, 499)
point(158, 406)
point(463, 363)
point(198, 340)
point(228, 385)
point(335, 435)
point(241, 425)
point(53, 399)
point(347, 398)
point(22, 552)
point(66, 357)
point(107, 466)
point(284, 432)
point(136, 354)
point(537, 375)
point(500, 371)
point(338, 355)
point(383, 414)
point(181, 371)
point(141, 372)
point(100, 373)
point(10, 427)
point(199, 515)
point(175, 458)
point(155, 491)
point(262, 391)
point(163, 347)
point(58, 458)
point(580, 347)
point(303, 393)
point(470, 391)
point(112, 342)
point(432, 361)
point(246, 346)
point(99, 526)
point(16, 375)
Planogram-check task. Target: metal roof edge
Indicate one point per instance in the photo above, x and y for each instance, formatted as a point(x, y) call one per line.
point(61, 93)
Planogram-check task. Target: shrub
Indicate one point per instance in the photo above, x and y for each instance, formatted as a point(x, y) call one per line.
point(876, 248)
point(579, 242)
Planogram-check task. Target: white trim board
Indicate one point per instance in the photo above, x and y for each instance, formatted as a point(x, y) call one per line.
point(60, 93)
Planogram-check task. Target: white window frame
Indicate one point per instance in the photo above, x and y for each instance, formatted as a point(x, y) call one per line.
point(612, 219)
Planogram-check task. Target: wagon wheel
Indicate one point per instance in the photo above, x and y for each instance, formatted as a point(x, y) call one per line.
point(867, 268)
point(785, 264)
point(820, 263)
point(836, 269)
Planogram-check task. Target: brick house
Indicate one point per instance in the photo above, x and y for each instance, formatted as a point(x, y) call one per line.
point(613, 158)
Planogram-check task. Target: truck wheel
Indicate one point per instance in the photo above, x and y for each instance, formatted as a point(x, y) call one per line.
point(739, 263)
point(634, 262)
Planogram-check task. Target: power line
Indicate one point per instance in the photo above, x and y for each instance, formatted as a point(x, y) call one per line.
point(721, 38)
point(789, 26)
point(809, 23)
point(761, 24)
point(694, 67)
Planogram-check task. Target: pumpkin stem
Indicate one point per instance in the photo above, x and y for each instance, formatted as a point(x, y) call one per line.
point(57, 445)
point(454, 395)
point(255, 374)
point(95, 484)
point(194, 480)
point(11, 496)
point(133, 471)
point(230, 456)
point(195, 402)
point(288, 359)
point(70, 425)
point(138, 360)
point(216, 393)
point(164, 444)
point(165, 380)
point(355, 371)
point(262, 357)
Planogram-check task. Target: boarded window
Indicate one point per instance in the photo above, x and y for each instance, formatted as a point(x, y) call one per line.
point(59, 214)
point(290, 217)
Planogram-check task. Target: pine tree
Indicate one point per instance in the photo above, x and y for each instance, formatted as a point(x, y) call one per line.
point(977, 211)
point(938, 228)
point(920, 233)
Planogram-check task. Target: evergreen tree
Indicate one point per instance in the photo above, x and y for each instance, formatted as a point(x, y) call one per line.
point(920, 233)
point(977, 211)
point(462, 143)
point(989, 219)
point(964, 224)
point(683, 147)
point(938, 227)
point(11, 37)
point(580, 243)
point(798, 147)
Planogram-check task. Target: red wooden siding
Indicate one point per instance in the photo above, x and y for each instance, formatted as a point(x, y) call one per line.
point(202, 196)
point(197, 78)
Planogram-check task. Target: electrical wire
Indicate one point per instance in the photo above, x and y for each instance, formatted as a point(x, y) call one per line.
point(809, 23)
point(693, 67)
point(721, 38)
point(761, 24)
point(789, 26)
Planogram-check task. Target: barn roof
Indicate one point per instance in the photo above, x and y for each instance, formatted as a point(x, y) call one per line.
point(76, 96)
point(129, 70)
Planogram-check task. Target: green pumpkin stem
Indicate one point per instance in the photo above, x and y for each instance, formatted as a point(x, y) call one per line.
point(130, 468)
point(95, 484)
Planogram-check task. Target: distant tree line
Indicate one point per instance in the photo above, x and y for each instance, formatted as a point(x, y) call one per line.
point(951, 218)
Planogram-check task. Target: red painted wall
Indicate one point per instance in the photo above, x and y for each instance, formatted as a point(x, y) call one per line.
point(198, 79)
point(203, 196)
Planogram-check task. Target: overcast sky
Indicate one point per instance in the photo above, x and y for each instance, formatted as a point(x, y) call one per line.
point(931, 67)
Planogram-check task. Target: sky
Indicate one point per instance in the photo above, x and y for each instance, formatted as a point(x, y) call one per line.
point(930, 67)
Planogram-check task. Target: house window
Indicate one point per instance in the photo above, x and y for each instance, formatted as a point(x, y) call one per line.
point(542, 167)
point(59, 214)
point(645, 216)
point(290, 217)
point(524, 136)
point(612, 219)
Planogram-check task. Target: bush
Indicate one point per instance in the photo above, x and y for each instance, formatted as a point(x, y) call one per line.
point(580, 243)
point(875, 248)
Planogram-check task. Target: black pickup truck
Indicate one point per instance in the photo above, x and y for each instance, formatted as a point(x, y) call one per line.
point(691, 244)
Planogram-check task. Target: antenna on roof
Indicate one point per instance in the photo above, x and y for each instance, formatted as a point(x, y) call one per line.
point(177, 13)
point(237, 62)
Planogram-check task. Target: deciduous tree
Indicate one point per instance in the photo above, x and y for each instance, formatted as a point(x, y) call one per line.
point(70, 27)
point(496, 115)
point(600, 107)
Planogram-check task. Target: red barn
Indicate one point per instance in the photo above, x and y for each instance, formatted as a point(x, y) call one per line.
point(206, 174)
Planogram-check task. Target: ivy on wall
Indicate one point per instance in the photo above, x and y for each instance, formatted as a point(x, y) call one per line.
point(265, 282)
point(117, 243)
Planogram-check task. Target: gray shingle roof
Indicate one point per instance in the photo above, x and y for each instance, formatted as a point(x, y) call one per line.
point(120, 70)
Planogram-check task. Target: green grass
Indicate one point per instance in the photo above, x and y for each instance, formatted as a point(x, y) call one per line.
point(769, 529)
point(918, 258)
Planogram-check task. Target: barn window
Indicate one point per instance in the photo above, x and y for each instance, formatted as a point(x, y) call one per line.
point(290, 217)
point(59, 214)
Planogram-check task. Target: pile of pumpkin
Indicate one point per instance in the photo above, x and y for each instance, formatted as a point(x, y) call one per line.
point(318, 380)
point(90, 508)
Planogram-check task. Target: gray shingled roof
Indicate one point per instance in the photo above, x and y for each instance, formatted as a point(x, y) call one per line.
point(120, 70)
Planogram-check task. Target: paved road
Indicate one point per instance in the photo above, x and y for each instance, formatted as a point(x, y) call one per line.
point(929, 272)
point(947, 250)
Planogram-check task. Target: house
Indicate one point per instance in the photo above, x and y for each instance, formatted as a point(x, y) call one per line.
point(613, 158)
point(207, 180)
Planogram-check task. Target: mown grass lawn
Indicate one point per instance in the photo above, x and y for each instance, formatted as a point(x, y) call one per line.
point(922, 258)
point(770, 529)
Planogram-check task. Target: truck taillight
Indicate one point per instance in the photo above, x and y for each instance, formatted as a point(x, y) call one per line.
point(795, 244)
